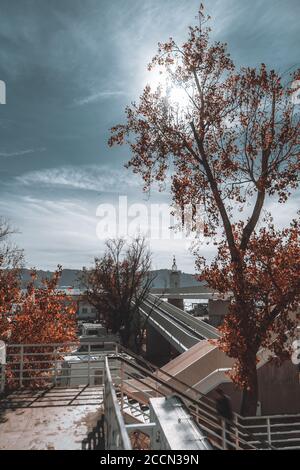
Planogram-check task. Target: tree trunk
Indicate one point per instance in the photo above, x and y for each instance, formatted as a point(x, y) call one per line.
point(250, 394)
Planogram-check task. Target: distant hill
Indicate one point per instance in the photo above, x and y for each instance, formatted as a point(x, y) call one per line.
point(70, 278)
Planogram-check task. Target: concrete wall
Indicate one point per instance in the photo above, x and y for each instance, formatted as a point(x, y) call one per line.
point(279, 389)
point(158, 349)
point(177, 303)
point(217, 309)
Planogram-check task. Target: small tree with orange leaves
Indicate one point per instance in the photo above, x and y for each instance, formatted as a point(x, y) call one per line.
point(44, 315)
point(231, 145)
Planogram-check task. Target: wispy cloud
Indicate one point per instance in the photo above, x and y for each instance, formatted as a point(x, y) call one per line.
point(19, 153)
point(95, 97)
point(67, 100)
point(89, 177)
point(72, 240)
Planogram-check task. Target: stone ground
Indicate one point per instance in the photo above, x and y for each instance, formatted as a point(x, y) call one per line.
point(58, 419)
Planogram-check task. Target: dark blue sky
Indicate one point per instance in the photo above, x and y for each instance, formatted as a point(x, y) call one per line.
point(70, 67)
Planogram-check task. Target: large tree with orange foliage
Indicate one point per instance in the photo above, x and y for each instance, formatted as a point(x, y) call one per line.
point(231, 145)
point(38, 316)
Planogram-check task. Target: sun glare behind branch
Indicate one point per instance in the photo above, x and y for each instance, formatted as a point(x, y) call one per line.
point(175, 94)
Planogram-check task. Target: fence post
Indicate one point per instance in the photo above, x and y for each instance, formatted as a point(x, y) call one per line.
point(89, 363)
point(269, 430)
point(2, 382)
point(21, 364)
point(55, 365)
point(224, 434)
point(2, 365)
point(237, 445)
point(122, 382)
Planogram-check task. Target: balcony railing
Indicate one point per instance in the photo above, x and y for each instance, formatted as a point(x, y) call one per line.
point(54, 364)
point(123, 376)
point(281, 431)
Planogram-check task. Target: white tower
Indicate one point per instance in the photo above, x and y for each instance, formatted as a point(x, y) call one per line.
point(174, 276)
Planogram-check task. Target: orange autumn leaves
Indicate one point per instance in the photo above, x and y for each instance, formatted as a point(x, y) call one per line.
point(9, 294)
point(37, 314)
point(234, 145)
point(270, 291)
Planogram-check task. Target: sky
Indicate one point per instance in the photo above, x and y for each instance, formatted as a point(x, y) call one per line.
point(70, 68)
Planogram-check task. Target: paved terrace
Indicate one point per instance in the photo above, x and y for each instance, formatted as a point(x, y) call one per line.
point(52, 419)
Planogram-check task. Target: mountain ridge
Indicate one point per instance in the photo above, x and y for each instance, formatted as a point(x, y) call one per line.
point(70, 278)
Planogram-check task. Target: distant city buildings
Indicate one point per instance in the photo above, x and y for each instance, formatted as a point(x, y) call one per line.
point(85, 311)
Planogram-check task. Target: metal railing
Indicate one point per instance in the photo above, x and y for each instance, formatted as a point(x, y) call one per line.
point(193, 397)
point(44, 365)
point(116, 436)
point(198, 326)
point(184, 338)
point(280, 431)
point(41, 365)
point(134, 381)
point(178, 344)
point(124, 376)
